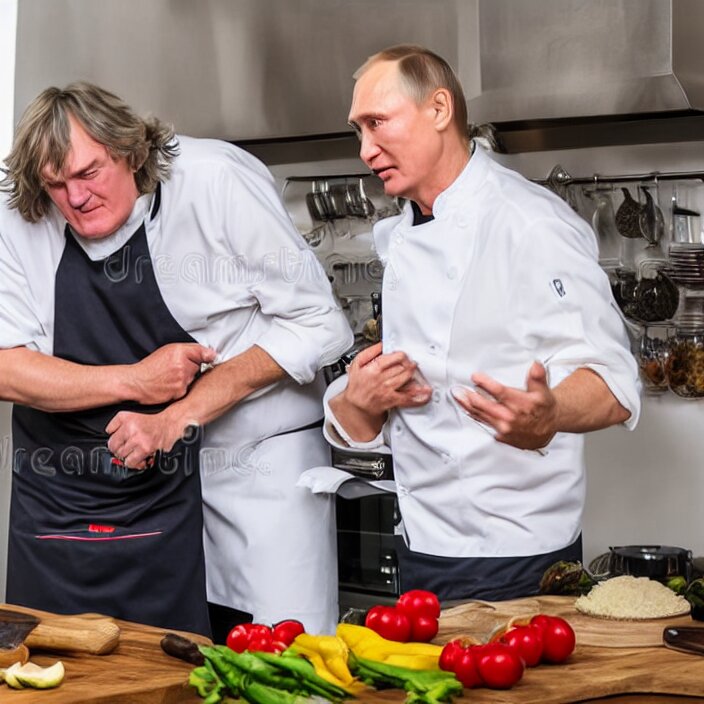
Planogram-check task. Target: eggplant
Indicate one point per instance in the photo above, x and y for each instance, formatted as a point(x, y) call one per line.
point(182, 648)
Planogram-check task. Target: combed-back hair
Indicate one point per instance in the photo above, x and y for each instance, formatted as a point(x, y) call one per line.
point(43, 137)
point(421, 72)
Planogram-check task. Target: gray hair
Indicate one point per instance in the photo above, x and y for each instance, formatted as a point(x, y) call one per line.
point(422, 72)
point(43, 137)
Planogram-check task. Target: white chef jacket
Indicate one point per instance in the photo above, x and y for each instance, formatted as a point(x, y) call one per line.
point(504, 275)
point(234, 272)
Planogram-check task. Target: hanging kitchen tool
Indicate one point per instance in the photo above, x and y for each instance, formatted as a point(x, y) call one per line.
point(603, 222)
point(628, 216)
point(650, 219)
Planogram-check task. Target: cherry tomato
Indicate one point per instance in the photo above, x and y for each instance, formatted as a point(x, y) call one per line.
point(466, 670)
point(238, 637)
point(257, 630)
point(389, 623)
point(286, 631)
point(499, 666)
point(528, 643)
point(423, 628)
point(450, 654)
point(261, 644)
point(419, 602)
point(541, 621)
point(558, 640)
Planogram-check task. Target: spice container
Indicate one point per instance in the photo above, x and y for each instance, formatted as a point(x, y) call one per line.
point(653, 355)
point(685, 363)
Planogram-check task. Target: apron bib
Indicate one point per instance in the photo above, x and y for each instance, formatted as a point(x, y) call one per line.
point(87, 534)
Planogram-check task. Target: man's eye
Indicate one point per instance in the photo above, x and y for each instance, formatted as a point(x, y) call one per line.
point(90, 174)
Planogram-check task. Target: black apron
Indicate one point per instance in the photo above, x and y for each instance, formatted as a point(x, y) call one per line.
point(87, 534)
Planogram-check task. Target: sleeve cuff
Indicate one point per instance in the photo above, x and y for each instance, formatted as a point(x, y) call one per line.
point(334, 433)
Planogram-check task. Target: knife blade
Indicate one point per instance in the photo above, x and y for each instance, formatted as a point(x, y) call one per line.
point(15, 627)
point(688, 639)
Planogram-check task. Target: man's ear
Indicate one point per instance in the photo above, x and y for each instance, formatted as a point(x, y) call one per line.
point(443, 108)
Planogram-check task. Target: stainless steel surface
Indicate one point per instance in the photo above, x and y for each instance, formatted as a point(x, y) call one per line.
point(233, 69)
point(569, 58)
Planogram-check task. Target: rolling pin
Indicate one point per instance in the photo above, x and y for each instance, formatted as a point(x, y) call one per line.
point(85, 633)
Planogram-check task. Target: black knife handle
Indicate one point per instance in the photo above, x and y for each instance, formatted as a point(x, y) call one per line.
point(689, 639)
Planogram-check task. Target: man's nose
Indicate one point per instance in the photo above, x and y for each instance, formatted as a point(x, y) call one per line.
point(77, 193)
point(368, 148)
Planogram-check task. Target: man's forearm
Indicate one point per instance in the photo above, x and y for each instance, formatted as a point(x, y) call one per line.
point(224, 386)
point(53, 384)
point(585, 403)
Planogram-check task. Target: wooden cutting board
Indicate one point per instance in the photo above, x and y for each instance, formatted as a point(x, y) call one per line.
point(136, 672)
point(479, 619)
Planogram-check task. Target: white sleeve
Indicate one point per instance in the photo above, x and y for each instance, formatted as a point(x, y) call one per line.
point(335, 433)
point(19, 323)
point(307, 327)
point(566, 312)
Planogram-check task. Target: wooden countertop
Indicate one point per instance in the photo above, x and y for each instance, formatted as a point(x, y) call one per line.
point(138, 672)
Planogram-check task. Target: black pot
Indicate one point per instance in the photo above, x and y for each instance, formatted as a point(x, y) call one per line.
point(659, 562)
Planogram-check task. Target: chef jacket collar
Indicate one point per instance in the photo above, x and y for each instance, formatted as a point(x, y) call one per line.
point(470, 180)
point(98, 249)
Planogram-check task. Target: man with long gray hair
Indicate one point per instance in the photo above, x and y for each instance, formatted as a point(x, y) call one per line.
point(152, 285)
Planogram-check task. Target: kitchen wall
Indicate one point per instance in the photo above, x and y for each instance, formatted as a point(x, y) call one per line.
point(8, 22)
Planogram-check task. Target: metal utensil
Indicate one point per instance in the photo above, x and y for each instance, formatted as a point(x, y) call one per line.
point(15, 627)
point(628, 216)
point(604, 224)
point(651, 220)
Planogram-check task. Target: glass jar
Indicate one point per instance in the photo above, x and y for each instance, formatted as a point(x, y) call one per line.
point(685, 363)
point(653, 355)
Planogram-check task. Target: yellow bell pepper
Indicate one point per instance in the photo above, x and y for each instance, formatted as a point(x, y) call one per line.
point(328, 655)
point(366, 643)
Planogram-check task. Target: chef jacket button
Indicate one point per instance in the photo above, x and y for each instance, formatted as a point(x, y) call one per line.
point(446, 458)
point(461, 220)
point(452, 272)
point(398, 429)
point(436, 396)
point(433, 348)
point(400, 238)
point(401, 490)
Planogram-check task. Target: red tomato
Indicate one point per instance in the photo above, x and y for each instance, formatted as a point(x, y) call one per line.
point(286, 631)
point(257, 630)
point(499, 666)
point(419, 602)
point(466, 670)
point(238, 637)
point(541, 621)
point(389, 623)
point(423, 628)
point(450, 654)
point(528, 643)
point(558, 640)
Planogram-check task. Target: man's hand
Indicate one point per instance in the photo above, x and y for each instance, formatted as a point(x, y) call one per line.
point(379, 382)
point(135, 437)
point(376, 383)
point(524, 419)
point(166, 373)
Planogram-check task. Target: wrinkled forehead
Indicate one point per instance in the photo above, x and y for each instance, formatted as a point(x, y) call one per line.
point(376, 85)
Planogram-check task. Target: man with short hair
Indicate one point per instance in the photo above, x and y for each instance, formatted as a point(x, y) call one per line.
point(501, 345)
point(129, 258)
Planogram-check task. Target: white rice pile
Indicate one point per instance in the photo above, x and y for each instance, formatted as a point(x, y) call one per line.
point(629, 597)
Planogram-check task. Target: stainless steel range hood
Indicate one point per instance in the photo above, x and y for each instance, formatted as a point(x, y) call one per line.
point(548, 59)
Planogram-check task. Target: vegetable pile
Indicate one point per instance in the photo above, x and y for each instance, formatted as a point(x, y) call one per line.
point(286, 665)
point(500, 663)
